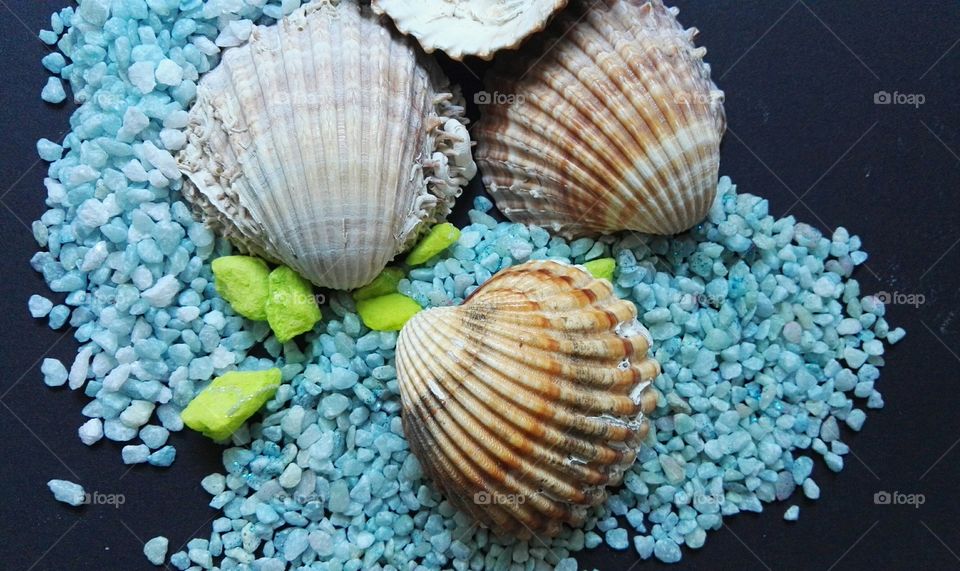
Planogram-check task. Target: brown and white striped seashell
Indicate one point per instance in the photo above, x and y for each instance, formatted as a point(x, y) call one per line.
point(526, 401)
point(469, 27)
point(326, 143)
point(612, 123)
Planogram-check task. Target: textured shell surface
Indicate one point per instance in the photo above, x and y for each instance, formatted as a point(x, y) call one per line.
point(326, 143)
point(469, 27)
point(526, 401)
point(613, 124)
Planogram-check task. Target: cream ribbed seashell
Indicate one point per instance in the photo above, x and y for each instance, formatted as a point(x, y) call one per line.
point(469, 27)
point(326, 143)
point(611, 123)
point(526, 401)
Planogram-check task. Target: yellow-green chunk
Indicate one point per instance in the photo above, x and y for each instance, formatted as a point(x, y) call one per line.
point(383, 284)
point(437, 240)
point(291, 306)
point(229, 401)
point(602, 268)
point(242, 281)
point(387, 312)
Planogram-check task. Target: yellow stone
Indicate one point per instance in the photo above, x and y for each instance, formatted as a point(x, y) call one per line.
point(387, 312)
point(243, 282)
point(291, 306)
point(229, 401)
point(440, 237)
point(383, 284)
point(602, 268)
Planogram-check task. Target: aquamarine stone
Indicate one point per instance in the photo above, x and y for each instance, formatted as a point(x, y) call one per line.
point(53, 91)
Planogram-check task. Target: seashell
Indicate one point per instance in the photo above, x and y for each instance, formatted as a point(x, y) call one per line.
point(326, 143)
point(612, 124)
point(526, 401)
point(469, 27)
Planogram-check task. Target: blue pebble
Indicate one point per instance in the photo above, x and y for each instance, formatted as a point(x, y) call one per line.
point(666, 550)
point(155, 550)
point(67, 492)
point(617, 539)
point(53, 91)
point(163, 457)
point(54, 373)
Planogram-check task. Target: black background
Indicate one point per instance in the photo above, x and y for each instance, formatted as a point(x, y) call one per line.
point(800, 80)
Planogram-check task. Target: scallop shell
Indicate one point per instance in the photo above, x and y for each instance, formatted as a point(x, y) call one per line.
point(526, 401)
point(326, 143)
point(612, 123)
point(469, 27)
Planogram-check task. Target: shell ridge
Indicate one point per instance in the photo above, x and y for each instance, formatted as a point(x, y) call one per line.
point(611, 111)
point(498, 424)
point(311, 196)
point(547, 474)
point(483, 393)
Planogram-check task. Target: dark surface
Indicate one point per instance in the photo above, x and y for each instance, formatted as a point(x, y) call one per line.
point(800, 82)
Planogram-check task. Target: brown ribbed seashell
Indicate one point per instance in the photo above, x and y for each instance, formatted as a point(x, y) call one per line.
point(610, 123)
point(526, 401)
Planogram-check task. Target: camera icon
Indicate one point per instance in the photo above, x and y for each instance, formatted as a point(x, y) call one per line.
point(482, 98)
point(882, 498)
point(882, 98)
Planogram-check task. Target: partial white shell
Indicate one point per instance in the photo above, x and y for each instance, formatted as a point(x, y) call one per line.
point(610, 122)
point(325, 143)
point(469, 27)
point(526, 401)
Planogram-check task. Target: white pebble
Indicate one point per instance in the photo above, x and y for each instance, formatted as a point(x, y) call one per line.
point(115, 379)
point(91, 431)
point(161, 159)
point(80, 368)
point(163, 292)
point(91, 213)
point(141, 75)
point(134, 171)
point(134, 121)
point(94, 257)
point(173, 139)
point(137, 414)
point(169, 73)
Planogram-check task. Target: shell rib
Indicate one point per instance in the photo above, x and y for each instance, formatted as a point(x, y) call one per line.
point(325, 143)
point(526, 401)
point(469, 27)
point(614, 124)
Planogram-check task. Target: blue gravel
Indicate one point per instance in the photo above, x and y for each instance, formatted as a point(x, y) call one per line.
point(768, 346)
point(156, 550)
point(67, 492)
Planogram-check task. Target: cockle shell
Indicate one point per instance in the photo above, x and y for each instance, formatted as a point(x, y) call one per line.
point(526, 401)
point(469, 27)
point(612, 123)
point(326, 143)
